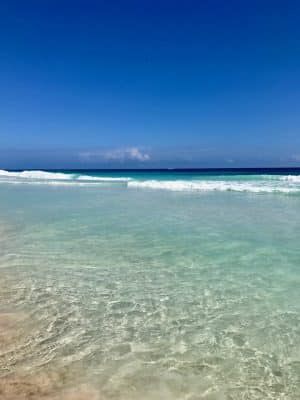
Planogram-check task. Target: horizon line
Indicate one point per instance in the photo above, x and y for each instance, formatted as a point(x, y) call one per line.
point(156, 169)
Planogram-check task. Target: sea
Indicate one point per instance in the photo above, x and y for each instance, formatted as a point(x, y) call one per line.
point(150, 284)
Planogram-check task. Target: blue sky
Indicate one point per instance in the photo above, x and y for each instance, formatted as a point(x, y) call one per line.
point(88, 84)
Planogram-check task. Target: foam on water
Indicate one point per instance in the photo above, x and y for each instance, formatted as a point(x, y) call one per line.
point(35, 175)
point(260, 183)
point(102, 178)
point(55, 178)
point(221, 186)
point(291, 178)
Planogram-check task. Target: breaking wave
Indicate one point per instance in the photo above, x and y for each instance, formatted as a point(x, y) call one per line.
point(234, 183)
point(54, 177)
point(221, 186)
point(35, 175)
point(291, 178)
point(102, 178)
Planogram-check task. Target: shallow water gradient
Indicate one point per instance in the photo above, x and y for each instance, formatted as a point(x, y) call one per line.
point(140, 294)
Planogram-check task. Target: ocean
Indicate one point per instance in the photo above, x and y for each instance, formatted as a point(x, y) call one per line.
point(166, 284)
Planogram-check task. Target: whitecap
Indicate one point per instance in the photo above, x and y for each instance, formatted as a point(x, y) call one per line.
point(38, 176)
point(103, 178)
point(34, 174)
point(291, 178)
point(204, 186)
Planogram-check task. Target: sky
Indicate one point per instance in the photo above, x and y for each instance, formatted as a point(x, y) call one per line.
point(149, 84)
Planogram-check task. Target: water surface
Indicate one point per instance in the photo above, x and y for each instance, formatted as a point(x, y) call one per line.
point(150, 285)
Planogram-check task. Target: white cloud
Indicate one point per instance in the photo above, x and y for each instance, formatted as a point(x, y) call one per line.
point(129, 153)
point(121, 154)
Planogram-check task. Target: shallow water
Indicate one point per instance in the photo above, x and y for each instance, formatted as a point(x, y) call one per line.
point(119, 292)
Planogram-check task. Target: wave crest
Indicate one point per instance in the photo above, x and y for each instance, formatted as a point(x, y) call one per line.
point(205, 186)
point(291, 178)
point(35, 175)
point(235, 183)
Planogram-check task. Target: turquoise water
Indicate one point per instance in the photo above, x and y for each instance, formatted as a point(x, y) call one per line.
point(149, 286)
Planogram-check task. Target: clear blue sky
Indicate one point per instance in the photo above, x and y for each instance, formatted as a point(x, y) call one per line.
point(149, 83)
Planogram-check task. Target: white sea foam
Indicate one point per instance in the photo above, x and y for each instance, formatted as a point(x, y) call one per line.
point(222, 186)
point(35, 175)
point(235, 183)
point(102, 178)
point(51, 182)
point(291, 178)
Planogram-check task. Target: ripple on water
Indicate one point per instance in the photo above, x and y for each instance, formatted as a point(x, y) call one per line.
point(131, 312)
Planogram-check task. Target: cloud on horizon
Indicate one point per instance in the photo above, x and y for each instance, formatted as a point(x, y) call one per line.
point(139, 157)
point(116, 155)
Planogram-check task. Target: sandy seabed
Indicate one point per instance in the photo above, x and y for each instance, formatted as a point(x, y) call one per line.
point(45, 385)
point(18, 388)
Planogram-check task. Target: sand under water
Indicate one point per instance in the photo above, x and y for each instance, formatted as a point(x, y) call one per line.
point(42, 383)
